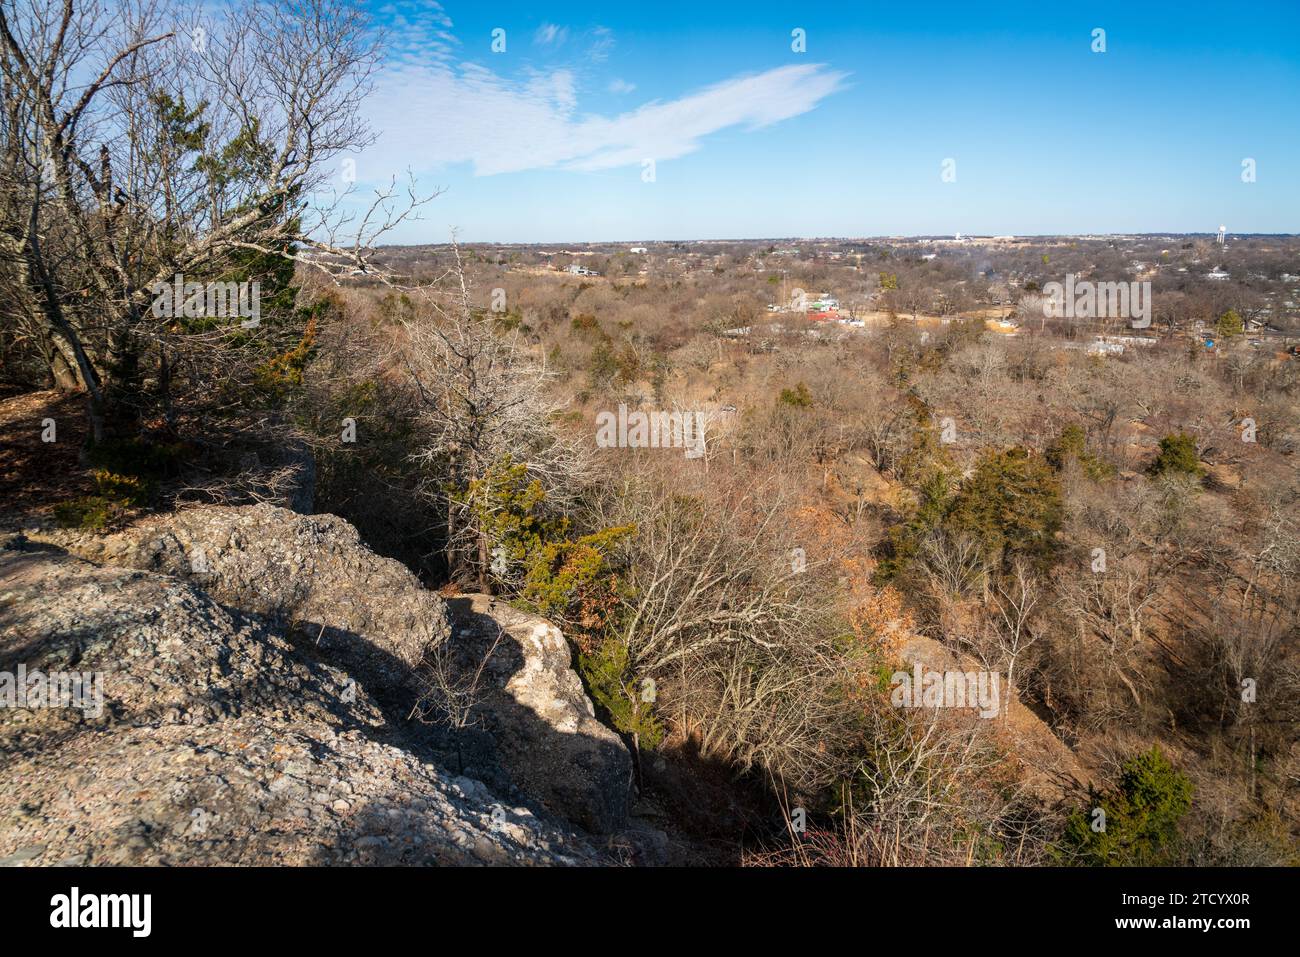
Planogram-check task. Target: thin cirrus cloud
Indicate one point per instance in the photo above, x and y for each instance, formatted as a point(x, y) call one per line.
point(434, 115)
point(548, 34)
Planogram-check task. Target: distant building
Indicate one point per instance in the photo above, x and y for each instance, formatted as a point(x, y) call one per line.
point(1100, 347)
point(824, 302)
point(636, 249)
point(1216, 273)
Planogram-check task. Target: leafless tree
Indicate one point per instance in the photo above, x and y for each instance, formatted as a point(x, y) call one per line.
point(1110, 609)
point(142, 141)
point(1018, 596)
point(483, 401)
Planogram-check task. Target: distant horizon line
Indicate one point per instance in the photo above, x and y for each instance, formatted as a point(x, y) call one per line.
point(806, 239)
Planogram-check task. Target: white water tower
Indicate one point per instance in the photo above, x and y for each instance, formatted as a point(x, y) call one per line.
point(1223, 230)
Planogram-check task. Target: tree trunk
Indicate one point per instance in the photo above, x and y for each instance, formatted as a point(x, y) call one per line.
point(39, 280)
point(63, 372)
point(484, 584)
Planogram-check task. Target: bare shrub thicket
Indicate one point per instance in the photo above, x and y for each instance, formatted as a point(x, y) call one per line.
point(739, 637)
point(925, 790)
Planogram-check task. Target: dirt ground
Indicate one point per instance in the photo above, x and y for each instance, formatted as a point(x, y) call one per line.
point(36, 475)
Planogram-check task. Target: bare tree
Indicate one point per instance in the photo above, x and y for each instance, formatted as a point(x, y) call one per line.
point(1018, 596)
point(483, 402)
point(142, 142)
point(1111, 608)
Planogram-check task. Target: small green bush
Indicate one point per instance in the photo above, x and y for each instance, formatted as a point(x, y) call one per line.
point(90, 513)
point(1177, 456)
point(1229, 325)
point(1141, 817)
point(574, 580)
point(1072, 445)
point(125, 489)
point(609, 681)
point(509, 507)
point(799, 397)
point(115, 494)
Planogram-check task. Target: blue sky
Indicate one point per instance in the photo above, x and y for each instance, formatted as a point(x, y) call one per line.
point(547, 141)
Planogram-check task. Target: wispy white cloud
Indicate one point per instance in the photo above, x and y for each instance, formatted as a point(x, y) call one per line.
point(549, 34)
point(557, 88)
point(418, 31)
point(431, 115)
point(602, 41)
point(621, 86)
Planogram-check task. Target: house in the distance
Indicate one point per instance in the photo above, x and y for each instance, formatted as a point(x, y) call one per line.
point(1100, 346)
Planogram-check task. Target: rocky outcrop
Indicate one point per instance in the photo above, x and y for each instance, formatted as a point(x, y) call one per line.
point(541, 724)
point(534, 735)
point(216, 740)
point(310, 574)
